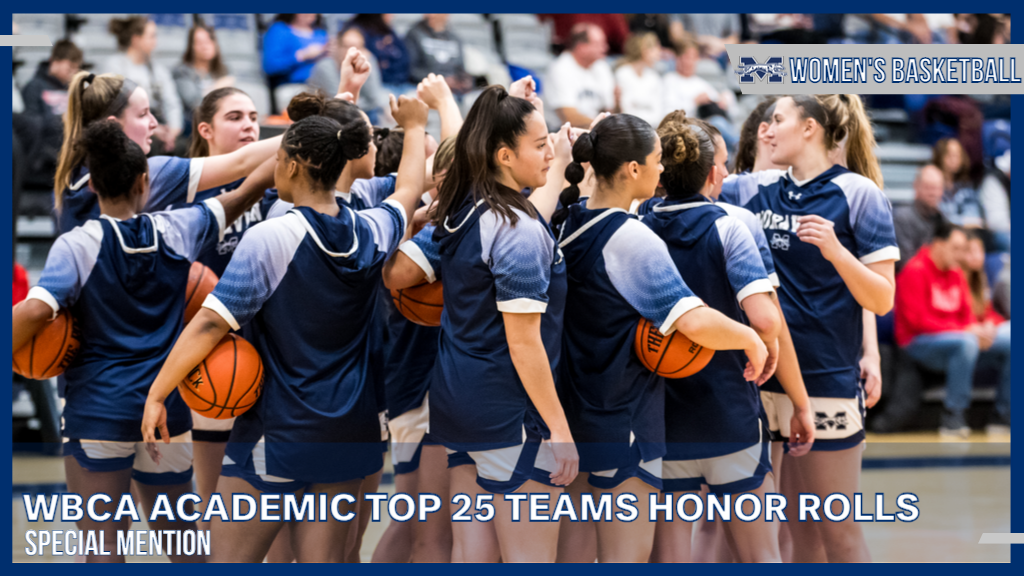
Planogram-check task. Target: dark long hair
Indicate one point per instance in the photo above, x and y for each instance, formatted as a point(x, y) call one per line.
point(618, 139)
point(495, 120)
point(688, 155)
point(114, 161)
point(207, 109)
point(746, 150)
point(323, 147)
point(217, 67)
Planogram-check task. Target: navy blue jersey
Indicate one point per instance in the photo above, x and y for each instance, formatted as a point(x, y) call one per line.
point(618, 272)
point(304, 285)
point(124, 283)
point(217, 257)
point(743, 215)
point(823, 316)
point(172, 181)
point(477, 401)
point(365, 193)
point(412, 348)
point(715, 411)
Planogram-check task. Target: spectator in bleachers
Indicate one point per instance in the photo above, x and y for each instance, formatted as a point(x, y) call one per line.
point(983, 28)
point(291, 47)
point(639, 84)
point(1001, 292)
point(389, 49)
point(614, 26)
point(326, 75)
point(994, 194)
point(977, 280)
point(685, 90)
point(915, 223)
point(712, 31)
point(45, 100)
point(960, 201)
point(937, 326)
point(580, 84)
point(201, 69)
point(434, 48)
point(136, 40)
point(658, 24)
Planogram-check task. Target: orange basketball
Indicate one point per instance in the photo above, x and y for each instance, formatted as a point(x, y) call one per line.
point(201, 281)
point(672, 356)
point(421, 304)
point(227, 382)
point(50, 352)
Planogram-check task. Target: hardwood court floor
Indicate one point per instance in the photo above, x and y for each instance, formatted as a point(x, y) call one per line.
point(964, 491)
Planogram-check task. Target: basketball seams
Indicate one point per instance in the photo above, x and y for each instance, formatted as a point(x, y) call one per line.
point(57, 357)
point(199, 281)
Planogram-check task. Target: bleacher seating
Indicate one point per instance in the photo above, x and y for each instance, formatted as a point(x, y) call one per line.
point(172, 34)
point(49, 25)
point(525, 41)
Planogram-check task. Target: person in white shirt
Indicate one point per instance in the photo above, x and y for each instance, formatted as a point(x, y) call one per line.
point(580, 84)
point(638, 83)
point(686, 91)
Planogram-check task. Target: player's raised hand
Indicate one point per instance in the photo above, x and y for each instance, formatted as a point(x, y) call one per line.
point(434, 90)
point(355, 70)
point(409, 112)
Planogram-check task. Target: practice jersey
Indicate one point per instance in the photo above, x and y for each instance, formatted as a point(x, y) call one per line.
point(618, 271)
point(824, 318)
point(413, 348)
point(743, 215)
point(715, 411)
point(124, 283)
point(217, 257)
point(302, 284)
point(172, 181)
point(477, 401)
point(364, 193)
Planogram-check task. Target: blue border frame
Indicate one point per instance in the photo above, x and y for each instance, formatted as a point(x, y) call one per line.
point(229, 6)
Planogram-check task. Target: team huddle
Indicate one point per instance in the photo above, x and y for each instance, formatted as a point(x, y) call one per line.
point(550, 250)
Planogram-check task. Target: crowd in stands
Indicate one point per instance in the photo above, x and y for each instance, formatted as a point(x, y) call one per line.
point(953, 304)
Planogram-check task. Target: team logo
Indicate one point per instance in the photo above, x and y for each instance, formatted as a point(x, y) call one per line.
point(749, 69)
point(822, 421)
point(227, 245)
point(780, 242)
point(795, 195)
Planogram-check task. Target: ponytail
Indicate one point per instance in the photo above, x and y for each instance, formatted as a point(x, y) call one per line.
point(91, 97)
point(844, 120)
point(496, 120)
point(582, 152)
point(617, 140)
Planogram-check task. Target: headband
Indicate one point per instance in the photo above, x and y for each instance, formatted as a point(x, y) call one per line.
point(118, 104)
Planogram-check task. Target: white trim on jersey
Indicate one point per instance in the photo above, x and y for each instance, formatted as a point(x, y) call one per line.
point(760, 286)
point(81, 182)
point(217, 306)
point(415, 253)
point(774, 279)
point(218, 212)
point(120, 238)
point(587, 226)
point(681, 307)
point(346, 196)
point(446, 227)
point(687, 206)
point(523, 306)
point(44, 296)
point(881, 255)
point(403, 216)
point(312, 234)
point(195, 173)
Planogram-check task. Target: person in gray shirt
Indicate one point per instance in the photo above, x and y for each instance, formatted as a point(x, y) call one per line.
point(915, 222)
point(434, 48)
point(326, 75)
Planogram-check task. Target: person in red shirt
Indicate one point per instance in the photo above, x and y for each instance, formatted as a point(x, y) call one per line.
point(936, 325)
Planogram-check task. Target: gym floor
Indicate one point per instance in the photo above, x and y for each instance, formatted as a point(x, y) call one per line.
point(964, 491)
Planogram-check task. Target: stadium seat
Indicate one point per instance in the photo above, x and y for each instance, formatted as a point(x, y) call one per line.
point(260, 94)
point(284, 93)
point(236, 33)
point(401, 23)
point(525, 41)
point(172, 33)
point(49, 25)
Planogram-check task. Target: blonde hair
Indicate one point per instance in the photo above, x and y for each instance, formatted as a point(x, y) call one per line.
point(844, 119)
point(89, 97)
point(635, 46)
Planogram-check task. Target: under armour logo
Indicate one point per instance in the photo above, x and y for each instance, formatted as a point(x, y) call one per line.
point(780, 241)
point(822, 421)
point(795, 195)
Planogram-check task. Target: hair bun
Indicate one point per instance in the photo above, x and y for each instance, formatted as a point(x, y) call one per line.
point(306, 104)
